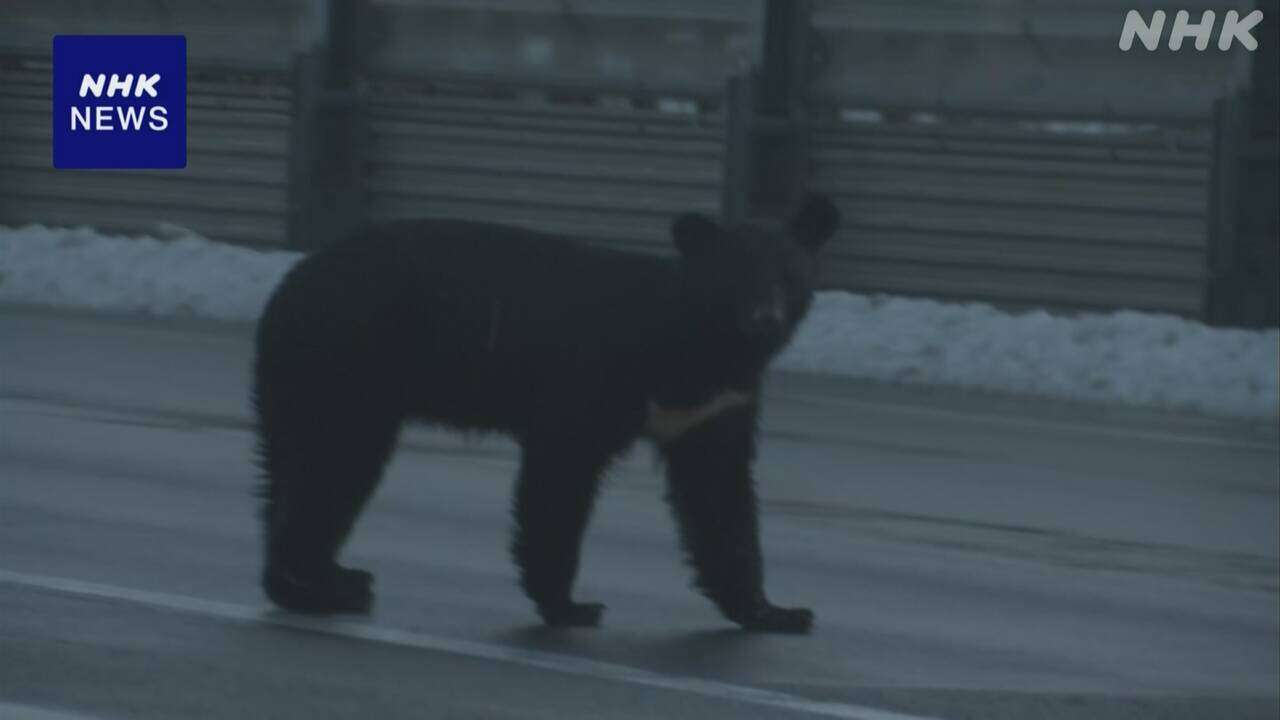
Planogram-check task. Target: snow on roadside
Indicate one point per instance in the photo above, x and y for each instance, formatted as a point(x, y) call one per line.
point(1127, 357)
point(185, 275)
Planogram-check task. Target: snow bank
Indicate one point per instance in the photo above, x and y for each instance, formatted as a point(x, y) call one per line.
point(184, 275)
point(1127, 357)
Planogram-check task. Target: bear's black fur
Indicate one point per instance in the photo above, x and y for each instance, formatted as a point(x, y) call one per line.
point(566, 347)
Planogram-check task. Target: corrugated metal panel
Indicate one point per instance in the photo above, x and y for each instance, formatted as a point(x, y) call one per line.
point(254, 34)
point(602, 174)
point(1055, 58)
point(665, 46)
point(234, 187)
point(1018, 216)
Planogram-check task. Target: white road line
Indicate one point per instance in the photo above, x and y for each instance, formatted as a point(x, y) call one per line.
point(487, 651)
point(1009, 420)
point(13, 711)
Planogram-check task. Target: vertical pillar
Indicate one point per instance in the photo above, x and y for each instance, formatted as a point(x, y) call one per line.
point(1224, 282)
point(739, 159)
point(765, 138)
point(326, 189)
point(1244, 232)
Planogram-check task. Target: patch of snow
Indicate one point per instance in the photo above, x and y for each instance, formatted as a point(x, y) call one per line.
point(1092, 127)
point(677, 106)
point(861, 116)
point(538, 51)
point(1127, 357)
point(185, 275)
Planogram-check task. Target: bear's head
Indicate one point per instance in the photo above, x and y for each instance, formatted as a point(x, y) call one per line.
point(748, 286)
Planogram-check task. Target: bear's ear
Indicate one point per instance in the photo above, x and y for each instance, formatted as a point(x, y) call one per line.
point(694, 233)
point(816, 221)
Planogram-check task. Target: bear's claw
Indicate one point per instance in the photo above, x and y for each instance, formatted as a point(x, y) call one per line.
point(573, 615)
point(773, 619)
point(343, 590)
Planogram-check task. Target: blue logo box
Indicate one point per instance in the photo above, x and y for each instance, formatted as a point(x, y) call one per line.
point(119, 101)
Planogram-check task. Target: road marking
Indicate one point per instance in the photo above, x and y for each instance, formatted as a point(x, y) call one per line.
point(567, 664)
point(1010, 420)
point(13, 711)
point(230, 421)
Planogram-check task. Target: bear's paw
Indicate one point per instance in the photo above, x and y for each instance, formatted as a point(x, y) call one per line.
point(573, 614)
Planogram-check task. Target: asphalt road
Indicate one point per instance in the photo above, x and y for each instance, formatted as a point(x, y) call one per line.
point(967, 557)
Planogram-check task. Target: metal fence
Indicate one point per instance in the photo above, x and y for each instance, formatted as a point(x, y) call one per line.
point(1018, 215)
point(980, 149)
point(610, 175)
point(234, 188)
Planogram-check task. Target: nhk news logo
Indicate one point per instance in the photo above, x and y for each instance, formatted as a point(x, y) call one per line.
point(119, 101)
point(1235, 29)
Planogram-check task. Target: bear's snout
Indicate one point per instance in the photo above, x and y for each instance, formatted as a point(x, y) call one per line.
point(765, 322)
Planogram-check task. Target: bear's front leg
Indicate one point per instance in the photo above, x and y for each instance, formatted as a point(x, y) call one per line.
point(555, 491)
point(712, 494)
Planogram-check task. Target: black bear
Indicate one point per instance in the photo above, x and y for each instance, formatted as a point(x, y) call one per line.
point(574, 350)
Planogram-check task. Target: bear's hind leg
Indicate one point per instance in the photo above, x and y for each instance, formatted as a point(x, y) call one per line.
point(316, 491)
point(555, 491)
